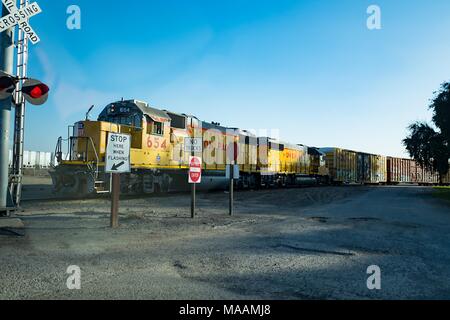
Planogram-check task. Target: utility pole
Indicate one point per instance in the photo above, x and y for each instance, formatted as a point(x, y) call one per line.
point(6, 64)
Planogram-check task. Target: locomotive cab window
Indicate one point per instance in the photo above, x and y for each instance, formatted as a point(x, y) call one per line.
point(158, 128)
point(154, 127)
point(178, 121)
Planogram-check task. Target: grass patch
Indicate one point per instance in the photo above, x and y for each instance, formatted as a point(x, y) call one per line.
point(442, 193)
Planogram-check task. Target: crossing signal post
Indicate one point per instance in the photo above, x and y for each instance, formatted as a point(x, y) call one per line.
point(26, 90)
point(36, 93)
point(6, 65)
point(14, 91)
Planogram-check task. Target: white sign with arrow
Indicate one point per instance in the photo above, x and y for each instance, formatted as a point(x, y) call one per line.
point(118, 153)
point(20, 17)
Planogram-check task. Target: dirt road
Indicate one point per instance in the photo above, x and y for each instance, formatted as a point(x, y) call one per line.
point(314, 243)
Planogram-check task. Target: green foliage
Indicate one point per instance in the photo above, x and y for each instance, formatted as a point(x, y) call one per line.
point(428, 148)
point(441, 111)
point(431, 148)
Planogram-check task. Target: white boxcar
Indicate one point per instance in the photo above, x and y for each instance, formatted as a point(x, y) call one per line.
point(35, 159)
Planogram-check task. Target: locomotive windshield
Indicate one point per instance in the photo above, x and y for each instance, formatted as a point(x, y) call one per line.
point(125, 120)
point(122, 115)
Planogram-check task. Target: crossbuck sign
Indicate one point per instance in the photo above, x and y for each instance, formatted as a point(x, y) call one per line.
point(20, 17)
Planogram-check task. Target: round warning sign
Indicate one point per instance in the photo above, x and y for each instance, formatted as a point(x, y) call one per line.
point(195, 170)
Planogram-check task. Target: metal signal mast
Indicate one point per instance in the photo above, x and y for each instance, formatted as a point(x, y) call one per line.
point(19, 124)
point(14, 90)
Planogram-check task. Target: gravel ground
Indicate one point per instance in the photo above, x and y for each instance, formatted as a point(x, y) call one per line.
point(37, 187)
point(310, 243)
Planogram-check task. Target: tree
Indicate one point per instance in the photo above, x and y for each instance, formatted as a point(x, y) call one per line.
point(429, 148)
point(441, 111)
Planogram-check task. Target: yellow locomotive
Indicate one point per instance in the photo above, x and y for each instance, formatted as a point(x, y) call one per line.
point(160, 163)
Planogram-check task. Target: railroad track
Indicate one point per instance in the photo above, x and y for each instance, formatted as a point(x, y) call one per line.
point(102, 196)
point(150, 195)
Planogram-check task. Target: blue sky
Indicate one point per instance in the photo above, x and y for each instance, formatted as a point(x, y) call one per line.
point(309, 68)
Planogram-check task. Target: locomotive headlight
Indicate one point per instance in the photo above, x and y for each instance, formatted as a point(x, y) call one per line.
point(79, 156)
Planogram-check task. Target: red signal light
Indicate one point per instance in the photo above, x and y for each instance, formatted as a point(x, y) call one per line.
point(35, 92)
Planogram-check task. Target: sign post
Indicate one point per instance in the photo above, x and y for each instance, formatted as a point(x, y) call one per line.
point(117, 162)
point(193, 200)
point(115, 200)
point(195, 177)
point(232, 172)
point(231, 190)
point(194, 145)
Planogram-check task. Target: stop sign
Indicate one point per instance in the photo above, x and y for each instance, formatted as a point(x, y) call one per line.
point(195, 170)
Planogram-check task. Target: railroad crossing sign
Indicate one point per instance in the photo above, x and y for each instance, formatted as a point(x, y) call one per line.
point(118, 153)
point(20, 17)
point(193, 145)
point(195, 170)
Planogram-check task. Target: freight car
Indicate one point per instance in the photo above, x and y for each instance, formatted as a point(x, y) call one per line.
point(35, 159)
point(352, 167)
point(407, 171)
point(160, 163)
point(372, 169)
point(342, 165)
